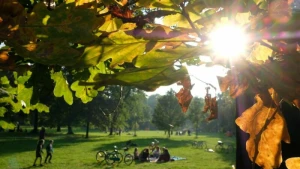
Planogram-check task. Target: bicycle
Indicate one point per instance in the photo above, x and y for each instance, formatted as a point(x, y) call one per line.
point(220, 147)
point(153, 145)
point(114, 156)
point(199, 144)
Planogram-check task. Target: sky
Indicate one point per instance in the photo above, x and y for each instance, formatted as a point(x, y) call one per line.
point(197, 73)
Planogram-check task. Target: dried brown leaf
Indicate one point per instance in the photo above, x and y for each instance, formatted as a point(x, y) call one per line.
point(237, 84)
point(267, 128)
point(184, 97)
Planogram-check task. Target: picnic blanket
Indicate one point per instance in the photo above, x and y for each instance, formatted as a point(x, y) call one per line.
point(176, 158)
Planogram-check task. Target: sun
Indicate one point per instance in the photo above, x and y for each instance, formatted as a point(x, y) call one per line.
point(228, 41)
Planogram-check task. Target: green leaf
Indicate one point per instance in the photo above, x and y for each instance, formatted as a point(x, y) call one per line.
point(163, 4)
point(111, 25)
point(145, 78)
point(160, 58)
point(62, 87)
point(118, 46)
point(3, 110)
point(87, 93)
point(6, 125)
point(177, 20)
point(40, 107)
point(67, 25)
point(260, 53)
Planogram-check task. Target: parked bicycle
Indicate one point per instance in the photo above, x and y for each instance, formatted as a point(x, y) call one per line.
point(199, 144)
point(221, 147)
point(114, 156)
point(153, 145)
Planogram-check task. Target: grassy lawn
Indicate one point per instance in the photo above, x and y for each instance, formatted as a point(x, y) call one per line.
point(76, 152)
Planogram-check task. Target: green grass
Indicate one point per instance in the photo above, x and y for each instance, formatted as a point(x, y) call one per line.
point(76, 152)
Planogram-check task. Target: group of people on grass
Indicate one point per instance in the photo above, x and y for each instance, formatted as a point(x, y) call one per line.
point(155, 155)
point(39, 149)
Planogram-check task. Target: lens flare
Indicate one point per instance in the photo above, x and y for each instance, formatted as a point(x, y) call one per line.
point(228, 41)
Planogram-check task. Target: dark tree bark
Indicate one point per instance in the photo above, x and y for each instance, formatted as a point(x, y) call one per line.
point(111, 128)
point(87, 125)
point(58, 128)
point(70, 130)
point(292, 117)
point(35, 121)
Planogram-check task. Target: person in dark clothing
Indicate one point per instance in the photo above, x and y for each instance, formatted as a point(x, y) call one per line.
point(144, 155)
point(136, 154)
point(49, 150)
point(42, 133)
point(165, 156)
point(39, 152)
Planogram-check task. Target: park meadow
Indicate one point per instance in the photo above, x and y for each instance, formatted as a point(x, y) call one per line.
point(77, 152)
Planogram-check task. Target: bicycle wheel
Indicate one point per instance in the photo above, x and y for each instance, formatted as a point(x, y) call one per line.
point(128, 159)
point(200, 144)
point(110, 158)
point(100, 156)
point(119, 156)
point(218, 148)
point(204, 145)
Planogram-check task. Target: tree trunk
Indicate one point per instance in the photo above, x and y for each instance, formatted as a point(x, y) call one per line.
point(111, 129)
point(87, 128)
point(35, 121)
point(169, 133)
point(58, 128)
point(70, 131)
point(292, 117)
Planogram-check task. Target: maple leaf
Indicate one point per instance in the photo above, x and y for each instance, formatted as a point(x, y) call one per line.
point(293, 163)
point(184, 96)
point(267, 128)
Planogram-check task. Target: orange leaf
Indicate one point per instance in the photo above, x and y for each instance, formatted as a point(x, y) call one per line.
point(213, 109)
point(293, 163)
point(184, 97)
point(236, 84)
point(267, 128)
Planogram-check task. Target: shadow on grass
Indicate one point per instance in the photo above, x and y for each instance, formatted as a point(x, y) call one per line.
point(11, 143)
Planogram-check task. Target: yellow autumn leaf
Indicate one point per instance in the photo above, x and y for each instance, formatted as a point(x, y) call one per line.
point(267, 128)
point(293, 163)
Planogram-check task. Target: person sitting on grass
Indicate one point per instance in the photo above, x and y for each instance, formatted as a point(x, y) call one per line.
point(156, 152)
point(144, 155)
point(165, 156)
point(135, 154)
point(49, 149)
point(39, 152)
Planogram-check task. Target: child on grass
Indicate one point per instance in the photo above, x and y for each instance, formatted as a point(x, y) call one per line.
point(39, 152)
point(49, 150)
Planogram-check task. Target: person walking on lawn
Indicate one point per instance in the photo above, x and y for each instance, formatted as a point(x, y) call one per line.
point(49, 150)
point(39, 152)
